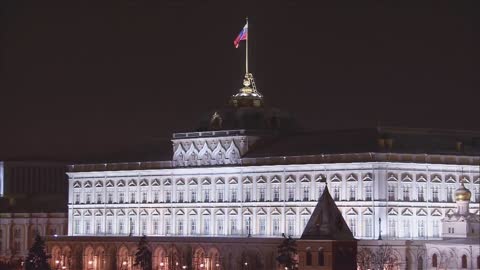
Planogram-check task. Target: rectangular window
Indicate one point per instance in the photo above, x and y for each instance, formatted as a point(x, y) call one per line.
point(155, 196)
point(276, 226)
point(291, 226)
point(305, 193)
point(132, 197)
point(155, 226)
point(144, 227)
point(99, 198)
point(391, 193)
point(261, 193)
point(352, 223)
point(77, 198)
point(233, 226)
point(276, 194)
point(220, 195)
point(392, 228)
point(406, 193)
point(167, 227)
point(220, 226)
point(193, 196)
point(180, 227)
point(352, 193)
point(121, 227)
point(290, 195)
point(336, 193)
point(206, 226)
point(168, 196)
point(368, 227)
point(477, 196)
point(234, 195)
point(262, 226)
point(110, 197)
point(248, 193)
point(87, 227)
point(421, 228)
point(321, 187)
point(180, 196)
point(449, 194)
point(76, 227)
point(132, 226)
point(436, 231)
point(144, 197)
point(88, 198)
point(368, 193)
point(98, 228)
point(435, 194)
point(421, 197)
point(193, 226)
point(406, 228)
point(121, 197)
point(109, 227)
point(206, 195)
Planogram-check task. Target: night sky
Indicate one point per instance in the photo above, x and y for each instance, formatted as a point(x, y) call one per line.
point(87, 79)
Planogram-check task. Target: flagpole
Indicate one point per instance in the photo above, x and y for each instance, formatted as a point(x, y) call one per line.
point(246, 50)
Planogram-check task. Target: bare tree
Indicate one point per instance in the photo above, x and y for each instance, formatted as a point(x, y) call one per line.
point(364, 258)
point(383, 258)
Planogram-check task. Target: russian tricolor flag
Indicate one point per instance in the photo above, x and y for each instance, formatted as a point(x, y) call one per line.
point(242, 36)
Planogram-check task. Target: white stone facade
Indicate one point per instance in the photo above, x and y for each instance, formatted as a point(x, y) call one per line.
point(410, 199)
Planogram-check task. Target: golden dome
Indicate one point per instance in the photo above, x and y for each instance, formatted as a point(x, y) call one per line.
point(462, 194)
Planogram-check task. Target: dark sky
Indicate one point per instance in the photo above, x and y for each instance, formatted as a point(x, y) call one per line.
point(85, 78)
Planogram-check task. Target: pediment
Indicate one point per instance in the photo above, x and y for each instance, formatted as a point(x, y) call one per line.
point(367, 212)
point(76, 213)
point(336, 178)
point(436, 213)
point(464, 179)
point(275, 211)
point(247, 211)
point(233, 212)
point(167, 182)
point(132, 212)
point(132, 183)
point(109, 183)
point(275, 179)
point(219, 181)
point(98, 213)
point(109, 213)
point(77, 184)
point(87, 184)
point(320, 178)
point(351, 178)
point(121, 183)
point(99, 184)
point(421, 178)
point(407, 212)
point(450, 212)
point(450, 179)
point(261, 211)
point(407, 178)
point(261, 180)
point(144, 212)
point(421, 212)
point(219, 212)
point(120, 213)
point(206, 212)
point(180, 182)
point(155, 213)
point(155, 182)
point(193, 212)
point(352, 212)
point(392, 212)
point(180, 212)
point(167, 212)
point(436, 178)
point(144, 183)
point(192, 182)
point(290, 179)
point(305, 179)
point(247, 180)
point(233, 180)
point(290, 212)
point(392, 177)
point(305, 211)
point(206, 181)
point(477, 180)
point(367, 177)
point(87, 213)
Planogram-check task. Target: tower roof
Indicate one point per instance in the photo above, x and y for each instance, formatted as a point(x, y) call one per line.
point(326, 222)
point(462, 193)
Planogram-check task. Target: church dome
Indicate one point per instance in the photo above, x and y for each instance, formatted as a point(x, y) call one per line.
point(462, 194)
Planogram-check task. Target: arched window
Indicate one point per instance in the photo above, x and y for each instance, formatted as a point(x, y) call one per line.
point(464, 261)
point(309, 257)
point(321, 258)
point(420, 263)
point(434, 260)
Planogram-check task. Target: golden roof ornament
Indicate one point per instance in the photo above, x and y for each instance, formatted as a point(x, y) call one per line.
point(462, 193)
